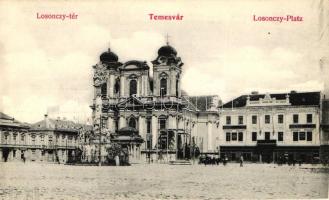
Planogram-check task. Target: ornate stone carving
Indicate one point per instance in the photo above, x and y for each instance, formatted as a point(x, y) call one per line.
point(100, 74)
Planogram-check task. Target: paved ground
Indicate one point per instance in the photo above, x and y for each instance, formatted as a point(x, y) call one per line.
point(161, 181)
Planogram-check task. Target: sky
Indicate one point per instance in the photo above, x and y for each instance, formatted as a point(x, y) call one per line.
point(47, 64)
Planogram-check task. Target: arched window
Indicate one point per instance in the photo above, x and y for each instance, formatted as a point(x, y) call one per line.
point(132, 87)
point(163, 87)
point(132, 122)
point(117, 86)
point(104, 90)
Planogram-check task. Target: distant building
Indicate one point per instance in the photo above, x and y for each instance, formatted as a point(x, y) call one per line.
point(13, 138)
point(265, 127)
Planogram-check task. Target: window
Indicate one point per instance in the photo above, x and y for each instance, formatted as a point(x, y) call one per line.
point(14, 136)
point(70, 139)
point(117, 85)
point(132, 122)
point(23, 137)
point(104, 90)
point(295, 136)
point(133, 87)
point(240, 136)
point(254, 136)
point(309, 136)
point(254, 119)
point(148, 126)
point(33, 139)
point(309, 118)
point(162, 122)
point(234, 136)
point(267, 135)
point(228, 120)
point(295, 118)
point(63, 138)
point(50, 138)
point(228, 136)
point(240, 119)
point(41, 138)
point(267, 119)
point(280, 119)
point(163, 87)
point(116, 124)
point(280, 136)
point(14, 153)
point(301, 135)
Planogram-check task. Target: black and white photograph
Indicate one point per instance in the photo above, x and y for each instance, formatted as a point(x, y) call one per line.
point(164, 99)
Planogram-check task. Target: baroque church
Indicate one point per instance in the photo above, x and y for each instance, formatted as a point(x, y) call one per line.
point(151, 116)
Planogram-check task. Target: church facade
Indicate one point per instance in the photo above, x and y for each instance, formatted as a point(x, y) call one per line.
point(168, 121)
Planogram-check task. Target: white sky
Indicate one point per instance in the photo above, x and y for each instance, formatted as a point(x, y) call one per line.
point(45, 63)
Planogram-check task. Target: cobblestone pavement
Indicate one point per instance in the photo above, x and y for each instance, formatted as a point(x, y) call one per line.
point(161, 181)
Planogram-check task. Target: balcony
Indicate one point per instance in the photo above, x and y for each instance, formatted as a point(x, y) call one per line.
point(266, 142)
point(234, 127)
point(302, 126)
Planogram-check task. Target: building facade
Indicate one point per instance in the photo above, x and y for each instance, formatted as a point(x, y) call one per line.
point(55, 140)
point(269, 127)
point(166, 120)
point(49, 140)
point(13, 139)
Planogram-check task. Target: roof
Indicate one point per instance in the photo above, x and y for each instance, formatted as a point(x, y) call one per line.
point(7, 121)
point(60, 125)
point(4, 116)
point(202, 103)
point(128, 129)
point(295, 99)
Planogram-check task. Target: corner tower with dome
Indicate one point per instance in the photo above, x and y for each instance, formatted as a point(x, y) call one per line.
point(162, 122)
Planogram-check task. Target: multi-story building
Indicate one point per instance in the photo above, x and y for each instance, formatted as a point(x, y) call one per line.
point(55, 140)
point(13, 139)
point(266, 127)
point(50, 140)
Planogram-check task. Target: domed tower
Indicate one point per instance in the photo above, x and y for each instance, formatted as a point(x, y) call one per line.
point(106, 87)
point(167, 68)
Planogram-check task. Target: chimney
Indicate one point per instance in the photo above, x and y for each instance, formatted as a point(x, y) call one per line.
point(254, 92)
point(47, 121)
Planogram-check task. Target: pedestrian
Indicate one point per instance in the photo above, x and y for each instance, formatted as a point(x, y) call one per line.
point(241, 161)
point(225, 160)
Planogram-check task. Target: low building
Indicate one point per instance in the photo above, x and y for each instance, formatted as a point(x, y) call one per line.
point(269, 127)
point(13, 139)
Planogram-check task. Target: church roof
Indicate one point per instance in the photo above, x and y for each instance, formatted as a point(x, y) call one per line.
point(108, 57)
point(167, 51)
point(295, 98)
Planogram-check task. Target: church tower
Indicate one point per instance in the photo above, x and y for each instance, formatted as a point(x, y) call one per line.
point(167, 69)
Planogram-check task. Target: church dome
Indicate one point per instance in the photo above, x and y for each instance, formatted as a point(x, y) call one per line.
point(108, 56)
point(167, 51)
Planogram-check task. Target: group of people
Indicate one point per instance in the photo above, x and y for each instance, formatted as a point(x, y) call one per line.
point(206, 160)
